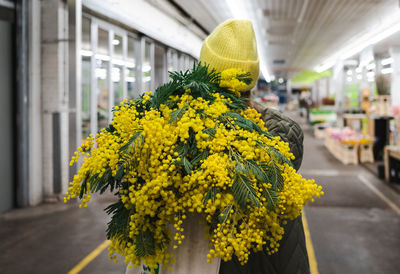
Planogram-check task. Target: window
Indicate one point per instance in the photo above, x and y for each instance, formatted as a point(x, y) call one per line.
point(173, 64)
point(102, 74)
point(111, 69)
point(130, 76)
point(86, 61)
point(117, 69)
point(146, 67)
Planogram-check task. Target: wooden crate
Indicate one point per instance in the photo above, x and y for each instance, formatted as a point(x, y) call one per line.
point(319, 133)
point(347, 154)
point(366, 154)
point(383, 105)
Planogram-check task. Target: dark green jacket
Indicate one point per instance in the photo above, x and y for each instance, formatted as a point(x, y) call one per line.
point(292, 256)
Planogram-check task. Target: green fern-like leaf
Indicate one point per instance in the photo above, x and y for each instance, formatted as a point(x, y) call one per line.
point(187, 165)
point(211, 194)
point(201, 156)
point(176, 114)
point(163, 93)
point(272, 198)
point(245, 78)
point(274, 174)
point(144, 244)
point(210, 131)
point(223, 217)
point(129, 147)
point(243, 191)
point(119, 223)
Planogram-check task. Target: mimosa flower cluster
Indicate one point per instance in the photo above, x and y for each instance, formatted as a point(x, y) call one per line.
point(192, 146)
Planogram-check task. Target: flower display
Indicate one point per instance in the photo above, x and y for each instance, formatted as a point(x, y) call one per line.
point(192, 146)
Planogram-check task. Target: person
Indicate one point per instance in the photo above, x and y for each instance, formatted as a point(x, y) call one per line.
point(233, 45)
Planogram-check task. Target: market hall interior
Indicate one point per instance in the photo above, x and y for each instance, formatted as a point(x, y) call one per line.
point(331, 66)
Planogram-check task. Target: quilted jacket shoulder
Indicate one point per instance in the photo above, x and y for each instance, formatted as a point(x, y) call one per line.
point(290, 132)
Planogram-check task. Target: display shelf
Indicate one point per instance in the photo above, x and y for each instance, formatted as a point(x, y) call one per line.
point(391, 153)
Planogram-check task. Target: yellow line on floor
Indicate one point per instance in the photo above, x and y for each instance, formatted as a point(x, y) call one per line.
point(310, 247)
point(92, 255)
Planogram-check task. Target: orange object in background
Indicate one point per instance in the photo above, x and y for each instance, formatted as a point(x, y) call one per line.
point(365, 102)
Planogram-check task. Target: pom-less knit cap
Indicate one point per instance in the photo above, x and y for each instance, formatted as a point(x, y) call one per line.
point(232, 45)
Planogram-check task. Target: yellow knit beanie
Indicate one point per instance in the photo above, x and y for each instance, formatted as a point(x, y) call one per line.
point(232, 45)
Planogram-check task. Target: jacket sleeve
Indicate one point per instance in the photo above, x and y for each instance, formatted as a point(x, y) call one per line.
point(290, 132)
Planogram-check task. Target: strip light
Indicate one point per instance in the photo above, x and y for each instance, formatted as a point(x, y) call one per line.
point(377, 34)
point(239, 11)
point(387, 61)
point(371, 66)
point(86, 53)
point(387, 70)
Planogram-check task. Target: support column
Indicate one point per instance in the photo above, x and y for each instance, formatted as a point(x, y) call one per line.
point(55, 97)
point(35, 110)
point(395, 86)
point(75, 72)
point(337, 85)
point(22, 103)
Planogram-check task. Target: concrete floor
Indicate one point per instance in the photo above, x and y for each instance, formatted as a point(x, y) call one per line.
point(353, 230)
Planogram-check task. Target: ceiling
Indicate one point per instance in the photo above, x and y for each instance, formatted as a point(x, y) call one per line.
point(298, 34)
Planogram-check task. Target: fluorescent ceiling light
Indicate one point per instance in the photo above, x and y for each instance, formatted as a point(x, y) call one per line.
point(303, 11)
point(358, 70)
point(370, 74)
point(359, 76)
point(103, 57)
point(387, 70)
point(239, 11)
point(116, 42)
point(146, 68)
point(118, 62)
point(387, 61)
point(371, 66)
point(349, 72)
point(86, 53)
point(349, 79)
point(130, 64)
point(375, 35)
point(101, 73)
